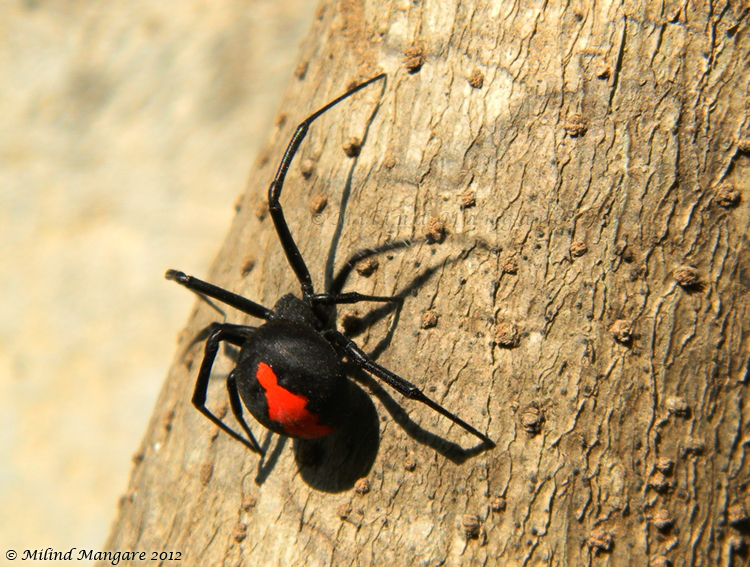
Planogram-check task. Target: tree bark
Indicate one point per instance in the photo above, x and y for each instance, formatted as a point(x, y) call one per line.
point(588, 307)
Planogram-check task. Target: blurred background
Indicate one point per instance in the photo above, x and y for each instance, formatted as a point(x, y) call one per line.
point(128, 131)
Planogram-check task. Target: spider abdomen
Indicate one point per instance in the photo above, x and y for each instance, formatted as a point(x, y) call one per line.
point(291, 379)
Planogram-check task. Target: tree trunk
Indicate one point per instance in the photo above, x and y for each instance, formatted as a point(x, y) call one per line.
point(588, 307)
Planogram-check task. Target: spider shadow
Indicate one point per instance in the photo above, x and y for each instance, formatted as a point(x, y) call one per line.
point(334, 463)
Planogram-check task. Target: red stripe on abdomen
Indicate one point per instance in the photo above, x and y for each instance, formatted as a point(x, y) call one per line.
point(287, 409)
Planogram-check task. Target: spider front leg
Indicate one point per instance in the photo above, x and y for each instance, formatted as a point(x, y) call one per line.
point(358, 356)
point(236, 335)
point(274, 192)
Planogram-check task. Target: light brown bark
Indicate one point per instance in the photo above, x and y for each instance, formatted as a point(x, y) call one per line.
point(598, 143)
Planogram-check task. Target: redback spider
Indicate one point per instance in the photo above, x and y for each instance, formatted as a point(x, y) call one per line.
point(289, 372)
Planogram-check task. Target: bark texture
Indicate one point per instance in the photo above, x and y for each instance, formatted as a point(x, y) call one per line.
point(588, 306)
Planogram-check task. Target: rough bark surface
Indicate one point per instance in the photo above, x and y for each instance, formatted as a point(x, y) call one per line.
point(588, 307)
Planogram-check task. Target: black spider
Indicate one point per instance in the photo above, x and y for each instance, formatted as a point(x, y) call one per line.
point(289, 372)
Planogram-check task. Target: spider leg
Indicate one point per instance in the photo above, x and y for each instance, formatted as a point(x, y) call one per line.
point(236, 335)
point(358, 356)
point(274, 192)
point(335, 295)
point(352, 297)
point(236, 405)
point(232, 299)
